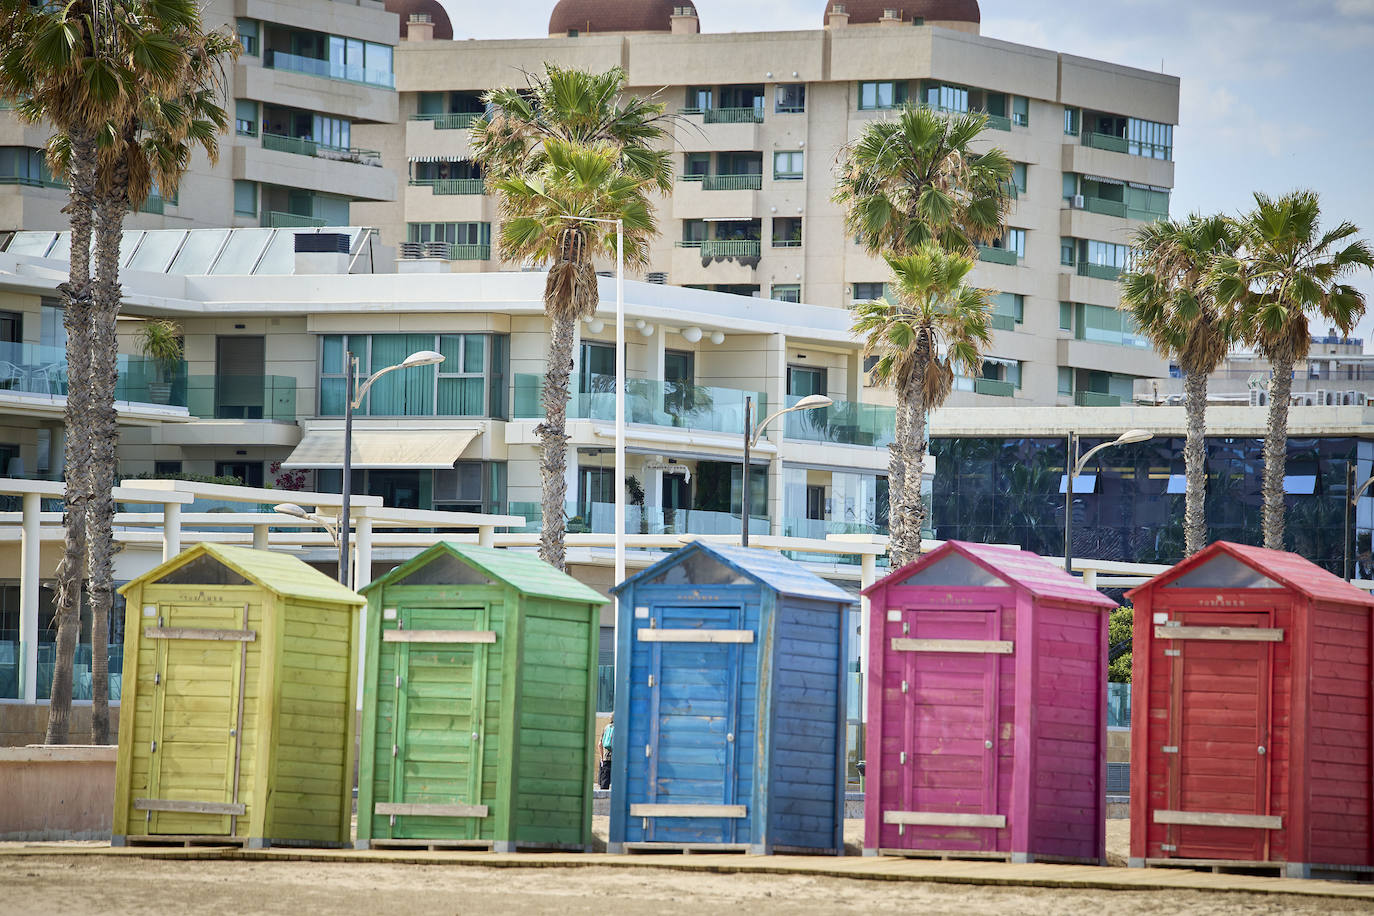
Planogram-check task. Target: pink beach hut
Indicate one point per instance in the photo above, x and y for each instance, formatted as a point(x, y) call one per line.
point(987, 707)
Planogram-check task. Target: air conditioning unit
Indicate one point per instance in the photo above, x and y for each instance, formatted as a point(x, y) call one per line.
point(1259, 397)
point(437, 250)
point(1304, 399)
point(1355, 399)
point(1078, 202)
point(658, 277)
point(1323, 399)
point(412, 250)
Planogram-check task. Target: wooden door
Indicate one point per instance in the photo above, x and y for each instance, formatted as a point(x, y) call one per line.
point(1217, 759)
point(697, 791)
point(945, 710)
point(198, 692)
point(439, 696)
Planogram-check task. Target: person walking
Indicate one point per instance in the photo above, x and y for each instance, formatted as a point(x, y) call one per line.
point(603, 775)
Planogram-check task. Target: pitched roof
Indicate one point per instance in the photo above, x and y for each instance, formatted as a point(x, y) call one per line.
point(1288, 569)
point(278, 572)
point(524, 572)
point(767, 567)
point(1018, 568)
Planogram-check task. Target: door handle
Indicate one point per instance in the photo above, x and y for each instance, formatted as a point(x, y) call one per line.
point(988, 744)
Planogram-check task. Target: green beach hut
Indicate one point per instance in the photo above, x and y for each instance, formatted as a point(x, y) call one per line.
point(479, 703)
point(237, 723)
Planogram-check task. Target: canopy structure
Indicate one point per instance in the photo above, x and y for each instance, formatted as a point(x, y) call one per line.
point(373, 449)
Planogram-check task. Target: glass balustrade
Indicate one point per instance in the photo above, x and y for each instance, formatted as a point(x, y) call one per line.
point(334, 70)
point(842, 423)
point(40, 370)
point(242, 397)
point(599, 518)
point(1118, 705)
point(648, 401)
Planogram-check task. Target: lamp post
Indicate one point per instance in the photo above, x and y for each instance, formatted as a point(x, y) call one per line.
point(1075, 466)
point(1350, 505)
point(352, 401)
point(751, 439)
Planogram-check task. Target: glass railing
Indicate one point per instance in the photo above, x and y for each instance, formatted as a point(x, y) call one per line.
point(301, 146)
point(451, 185)
point(994, 388)
point(242, 397)
point(650, 402)
point(32, 182)
point(1118, 705)
point(605, 688)
point(12, 653)
point(997, 255)
point(304, 146)
point(1000, 322)
point(1114, 337)
point(1115, 144)
point(1096, 399)
point(81, 671)
point(999, 122)
point(40, 370)
point(842, 423)
point(1106, 142)
point(819, 530)
point(1105, 207)
point(731, 182)
point(280, 60)
point(752, 115)
point(276, 219)
point(460, 120)
point(1098, 271)
point(599, 518)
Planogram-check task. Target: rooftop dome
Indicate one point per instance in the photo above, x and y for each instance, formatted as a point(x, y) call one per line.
point(584, 16)
point(864, 11)
point(443, 28)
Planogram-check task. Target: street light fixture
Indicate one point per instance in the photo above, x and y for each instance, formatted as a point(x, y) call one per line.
point(1075, 467)
point(352, 401)
point(751, 439)
point(296, 511)
point(1350, 505)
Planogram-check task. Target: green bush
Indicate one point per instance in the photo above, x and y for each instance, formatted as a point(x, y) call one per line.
point(1118, 632)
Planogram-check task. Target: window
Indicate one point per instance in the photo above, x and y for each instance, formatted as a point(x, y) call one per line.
point(1014, 240)
point(596, 369)
point(1149, 139)
point(453, 233)
point(246, 117)
point(1066, 380)
point(462, 375)
point(1065, 316)
point(696, 165)
point(694, 232)
point(470, 382)
point(1020, 111)
point(881, 95)
point(11, 327)
point(332, 132)
point(1018, 176)
point(25, 166)
point(787, 166)
point(946, 98)
point(1009, 306)
point(867, 292)
point(246, 198)
point(805, 380)
point(1066, 252)
point(166, 468)
point(248, 36)
point(1071, 121)
point(787, 231)
point(1147, 202)
point(699, 98)
point(1104, 324)
point(790, 98)
point(786, 292)
point(1108, 254)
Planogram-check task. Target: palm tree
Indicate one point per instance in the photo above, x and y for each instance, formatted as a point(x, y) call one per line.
point(1287, 271)
point(561, 154)
point(1171, 296)
point(938, 323)
point(914, 178)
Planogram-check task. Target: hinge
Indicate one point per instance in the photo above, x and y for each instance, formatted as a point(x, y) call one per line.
point(906, 627)
point(393, 820)
point(904, 758)
point(901, 830)
point(154, 750)
point(1169, 749)
point(651, 680)
point(648, 751)
point(904, 686)
point(394, 750)
point(157, 678)
point(1173, 652)
point(398, 682)
point(1165, 847)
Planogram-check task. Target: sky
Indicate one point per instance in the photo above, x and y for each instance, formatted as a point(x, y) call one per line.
point(1274, 95)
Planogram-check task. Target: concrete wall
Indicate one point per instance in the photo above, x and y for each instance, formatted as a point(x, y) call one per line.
point(56, 793)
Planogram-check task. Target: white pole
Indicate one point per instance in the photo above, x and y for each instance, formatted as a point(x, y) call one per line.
point(30, 549)
point(171, 530)
point(619, 416)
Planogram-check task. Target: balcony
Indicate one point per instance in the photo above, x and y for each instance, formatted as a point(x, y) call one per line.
point(31, 369)
point(242, 397)
point(1000, 322)
point(461, 120)
point(731, 182)
point(994, 388)
point(1099, 271)
point(304, 146)
point(842, 423)
point(1105, 207)
point(730, 248)
point(314, 66)
point(1108, 142)
point(1096, 399)
point(752, 115)
point(1115, 144)
point(997, 255)
point(451, 186)
point(648, 401)
point(276, 219)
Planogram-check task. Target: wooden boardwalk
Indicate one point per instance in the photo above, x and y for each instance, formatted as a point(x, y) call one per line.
point(992, 874)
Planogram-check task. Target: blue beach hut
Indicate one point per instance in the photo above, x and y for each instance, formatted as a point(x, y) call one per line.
point(729, 706)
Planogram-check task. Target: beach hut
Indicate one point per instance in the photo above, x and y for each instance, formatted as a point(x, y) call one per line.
point(1250, 727)
point(987, 706)
point(479, 703)
point(729, 701)
point(237, 721)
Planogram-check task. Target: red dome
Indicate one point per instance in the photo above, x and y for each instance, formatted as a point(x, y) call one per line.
point(443, 28)
point(861, 11)
point(590, 16)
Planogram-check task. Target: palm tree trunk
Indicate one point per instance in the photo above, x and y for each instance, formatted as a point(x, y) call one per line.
point(1195, 463)
point(1276, 451)
point(896, 475)
point(553, 434)
point(76, 319)
point(914, 507)
point(110, 212)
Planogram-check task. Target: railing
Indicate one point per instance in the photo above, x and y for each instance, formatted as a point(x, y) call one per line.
point(697, 178)
point(599, 518)
point(1105, 207)
point(313, 66)
point(459, 120)
point(155, 205)
point(820, 529)
point(1098, 271)
point(1117, 338)
point(648, 401)
point(1096, 399)
point(451, 185)
point(994, 388)
point(731, 182)
point(1118, 705)
point(842, 423)
point(605, 688)
point(787, 243)
point(242, 397)
point(40, 370)
point(732, 116)
point(28, 182)
point(1108, 142)
point(276, 219)
point(469, 252)
point(731, 248)
point(1000, 322)
point(997, 255)
point(304, 146)
point(999, 122)
point(790, 109)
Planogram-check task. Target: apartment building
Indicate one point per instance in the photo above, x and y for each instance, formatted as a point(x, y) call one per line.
point(762, 117)
point(310, 71)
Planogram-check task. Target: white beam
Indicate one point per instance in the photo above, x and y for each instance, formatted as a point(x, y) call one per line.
point(29, 584)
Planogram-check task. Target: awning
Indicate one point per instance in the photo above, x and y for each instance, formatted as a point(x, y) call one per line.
point(436, 159)
point(1100, 180)
point(376, 448)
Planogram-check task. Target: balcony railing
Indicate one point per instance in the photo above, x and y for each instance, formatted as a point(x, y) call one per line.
point(1000, 322)
point(1108, 142)
point(599, 518)
point(648, 401)
point(731, 182)
point(1096, 399)
point(731, 248)
point(1105, 207)
point(820, 529)
point(29, 182)
point(732, 116)
point(1098, 271)
point(313, 66)
point(39, 370)
point(304, 146)
point(276, 219)
point(242, 397)
point(999, 122)
point(997, 255)
point(442, 186)
point(842, 423)
point(994, 388)
point(459, 120)
point(1115, 144)
point(469, 252)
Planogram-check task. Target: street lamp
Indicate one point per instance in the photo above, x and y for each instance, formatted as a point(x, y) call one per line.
point(1075, 467)
point(1350, 505)
point(296, 511)
point(352, 401)
point(751, 439)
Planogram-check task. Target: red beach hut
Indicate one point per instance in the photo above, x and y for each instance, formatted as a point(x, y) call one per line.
point(986, 709)
point(1251, 721)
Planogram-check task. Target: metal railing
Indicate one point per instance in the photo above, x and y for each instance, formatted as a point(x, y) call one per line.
point(459, 120)
point(1098, 271)
point(997, 255)
point(443, 186)
point(732, 116)
point(1096, 399)
point(731, 182)
point(276, 219)
point(466, 252)
point(731, 248)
